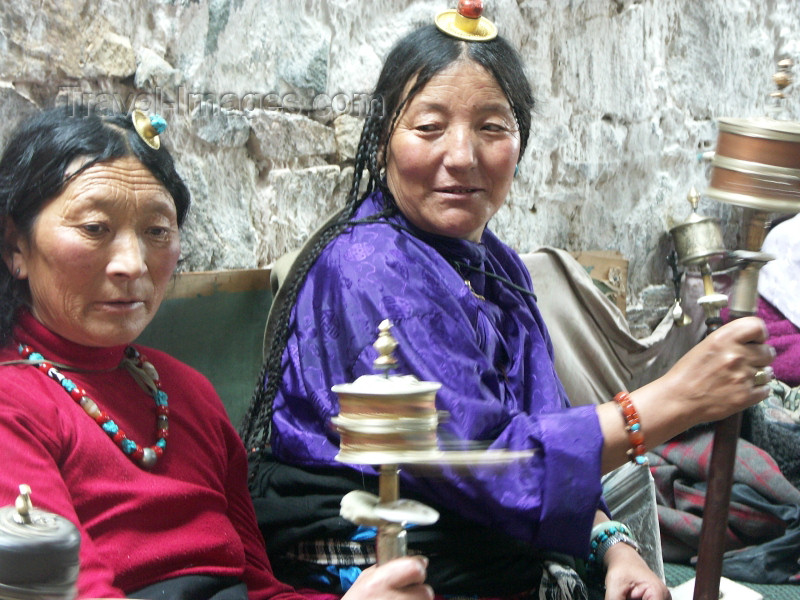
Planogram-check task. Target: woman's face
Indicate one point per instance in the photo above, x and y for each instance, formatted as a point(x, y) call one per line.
point(451, 157)
point(101, 253)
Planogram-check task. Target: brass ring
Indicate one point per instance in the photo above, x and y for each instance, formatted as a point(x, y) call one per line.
point(763, 376)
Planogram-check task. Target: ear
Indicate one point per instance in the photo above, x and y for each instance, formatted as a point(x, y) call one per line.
point(13, 250)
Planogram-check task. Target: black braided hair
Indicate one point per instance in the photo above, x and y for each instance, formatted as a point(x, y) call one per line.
point(33, 168)
point(255, 427)
point(410, 65)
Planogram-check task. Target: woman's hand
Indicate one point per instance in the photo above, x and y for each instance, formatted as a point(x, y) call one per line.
point(629, 578)
point(399, 579)
point(716, 378)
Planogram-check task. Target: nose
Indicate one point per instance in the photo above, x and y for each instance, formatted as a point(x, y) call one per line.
point(459, 148)
point(127, 258)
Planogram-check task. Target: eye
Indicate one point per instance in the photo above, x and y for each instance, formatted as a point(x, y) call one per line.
point(158, 232)
point(494, 127)
point(427, 128)
point(94, 229)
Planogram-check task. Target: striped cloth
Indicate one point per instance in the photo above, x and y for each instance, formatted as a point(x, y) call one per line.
point(763, 534)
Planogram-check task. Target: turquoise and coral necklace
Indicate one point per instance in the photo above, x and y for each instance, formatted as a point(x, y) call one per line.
point(145, 374)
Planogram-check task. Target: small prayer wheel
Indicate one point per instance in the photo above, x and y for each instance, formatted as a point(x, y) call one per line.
point(38, 553)
point(388, 420)
point(698, 243)
point(698, 239)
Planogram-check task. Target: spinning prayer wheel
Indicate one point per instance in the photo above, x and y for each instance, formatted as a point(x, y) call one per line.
point(38, 553)
point(757, 161)
point(756, 166)
point(388, 420)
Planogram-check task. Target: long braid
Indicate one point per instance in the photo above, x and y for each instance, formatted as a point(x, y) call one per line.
point(256, 426)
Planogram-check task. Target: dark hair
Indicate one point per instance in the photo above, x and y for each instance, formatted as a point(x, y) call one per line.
point(32, 172)
point(417, 57)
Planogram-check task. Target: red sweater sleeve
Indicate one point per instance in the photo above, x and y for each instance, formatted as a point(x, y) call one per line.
point(31, 456)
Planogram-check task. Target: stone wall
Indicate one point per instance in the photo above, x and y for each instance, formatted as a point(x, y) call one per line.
point(265, 98)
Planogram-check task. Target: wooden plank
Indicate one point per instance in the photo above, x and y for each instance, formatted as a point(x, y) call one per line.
point(206, 283)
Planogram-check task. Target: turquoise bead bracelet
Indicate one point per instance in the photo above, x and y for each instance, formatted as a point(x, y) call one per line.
point(604, 536)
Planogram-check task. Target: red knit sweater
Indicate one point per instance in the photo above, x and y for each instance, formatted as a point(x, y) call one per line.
point(190, 515)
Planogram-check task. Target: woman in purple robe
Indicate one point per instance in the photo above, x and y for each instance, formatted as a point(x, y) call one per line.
point(449, 123)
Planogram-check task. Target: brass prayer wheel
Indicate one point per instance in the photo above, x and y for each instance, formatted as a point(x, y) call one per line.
point(757, 165)
point(698, 239)
point(698, 242)
point(387, 420)
point(757, 161)
point(392, 419)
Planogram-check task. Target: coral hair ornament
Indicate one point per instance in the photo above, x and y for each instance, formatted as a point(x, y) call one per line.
point(466, 22)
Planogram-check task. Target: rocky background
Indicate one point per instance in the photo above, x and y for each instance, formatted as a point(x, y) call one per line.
point(265, 101)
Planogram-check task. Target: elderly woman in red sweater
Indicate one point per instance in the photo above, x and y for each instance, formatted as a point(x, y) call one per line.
point(129, 444)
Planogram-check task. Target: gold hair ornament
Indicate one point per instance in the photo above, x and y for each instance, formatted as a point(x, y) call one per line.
point(466, 22)
point(148, 128)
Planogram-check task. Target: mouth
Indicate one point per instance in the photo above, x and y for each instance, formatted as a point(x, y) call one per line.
point(122, 304)
point(458, 189)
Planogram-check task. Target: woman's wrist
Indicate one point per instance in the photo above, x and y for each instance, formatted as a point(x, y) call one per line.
point(604, 537)
point(620, 554)
point(633, 426)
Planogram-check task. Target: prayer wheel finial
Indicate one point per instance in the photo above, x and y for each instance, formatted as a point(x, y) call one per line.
point(694, 198)
point(385, 345)
point(783, 76)
point(23, 505)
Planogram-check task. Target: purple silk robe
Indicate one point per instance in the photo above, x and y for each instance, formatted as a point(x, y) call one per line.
point(493, 358)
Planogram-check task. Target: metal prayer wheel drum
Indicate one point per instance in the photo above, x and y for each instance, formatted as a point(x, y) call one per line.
point(699, 238)
point(697, 241)
point(757, 165)
point(38, 553)
point(386, 419)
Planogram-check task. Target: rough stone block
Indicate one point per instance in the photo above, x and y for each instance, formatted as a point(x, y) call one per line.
point(13, 108)
point(347, 130)
point(280, 136)
point(110, 55)
point(152, 71)
point(294, 203)
point(226, 129)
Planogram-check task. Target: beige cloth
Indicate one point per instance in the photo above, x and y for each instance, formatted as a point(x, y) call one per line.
point(595, 354)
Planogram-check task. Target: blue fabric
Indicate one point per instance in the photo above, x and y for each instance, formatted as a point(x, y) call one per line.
point(493, 358)
point(364, 533)
point(347, 575)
